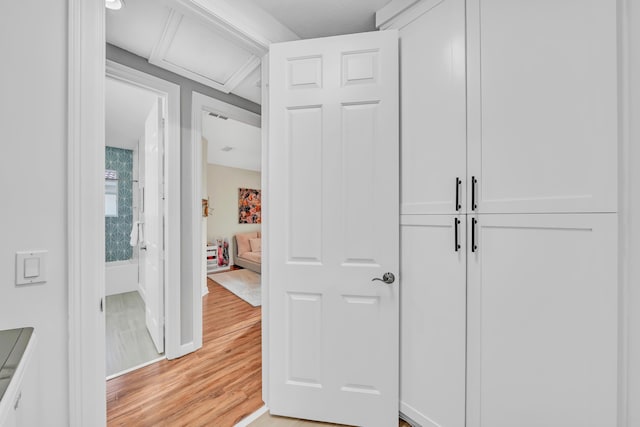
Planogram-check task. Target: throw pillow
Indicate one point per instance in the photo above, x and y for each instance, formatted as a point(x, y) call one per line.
point(242, 240)
point(256, 244)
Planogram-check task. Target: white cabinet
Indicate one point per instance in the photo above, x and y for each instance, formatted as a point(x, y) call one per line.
point(542, 105)
point(517, 99)
point(542, 321)
point(20, 404)
point(523, 99)
point(433, 119)
point(432, 319)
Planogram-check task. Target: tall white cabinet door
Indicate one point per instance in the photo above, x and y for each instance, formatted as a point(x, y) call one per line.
point(433, 319)
point(542, 321)
point(542, 81)
point(433, 121)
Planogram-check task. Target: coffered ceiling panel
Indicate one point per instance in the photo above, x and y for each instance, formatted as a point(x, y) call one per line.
point(202, 52)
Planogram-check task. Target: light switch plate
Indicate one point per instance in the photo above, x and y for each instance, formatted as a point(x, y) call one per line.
point(31, 267)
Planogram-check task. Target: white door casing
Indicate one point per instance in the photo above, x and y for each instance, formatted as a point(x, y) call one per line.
point(153, 218)
point(333, 218)
point(531, 103)
point(543, 321)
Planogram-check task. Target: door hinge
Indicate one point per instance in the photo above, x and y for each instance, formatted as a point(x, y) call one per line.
point(102, 305)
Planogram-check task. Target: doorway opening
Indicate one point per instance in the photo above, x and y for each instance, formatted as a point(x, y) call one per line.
point(134, 212)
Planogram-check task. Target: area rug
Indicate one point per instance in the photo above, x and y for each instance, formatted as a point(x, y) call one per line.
point(243, 283)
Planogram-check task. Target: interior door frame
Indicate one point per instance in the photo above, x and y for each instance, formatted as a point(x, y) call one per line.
point(85, 203)
point(200, 103)
point(170, 95)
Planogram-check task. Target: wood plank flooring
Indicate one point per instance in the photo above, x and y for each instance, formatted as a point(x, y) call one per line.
point(128, 342)
point(215, 386)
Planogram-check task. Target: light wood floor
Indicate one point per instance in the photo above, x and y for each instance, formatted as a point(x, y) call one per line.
point(268, 420)
point(215, 386)
point(128, 342)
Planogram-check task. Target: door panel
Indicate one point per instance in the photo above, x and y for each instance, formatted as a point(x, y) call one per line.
point(433, 320)
point(542, 321)
point(333, 180)
point(434, 110)
point(543, 105)
point(153, 225)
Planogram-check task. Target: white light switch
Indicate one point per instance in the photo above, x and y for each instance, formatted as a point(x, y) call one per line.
point(30, 267)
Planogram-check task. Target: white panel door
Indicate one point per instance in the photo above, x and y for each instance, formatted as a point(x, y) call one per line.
point(433, 319)
point(542, 113)
point(153, 224)
point(333, 227)
point(433, 122)
point(543, 321)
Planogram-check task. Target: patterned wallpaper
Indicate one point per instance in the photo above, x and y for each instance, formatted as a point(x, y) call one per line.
point(117, 229)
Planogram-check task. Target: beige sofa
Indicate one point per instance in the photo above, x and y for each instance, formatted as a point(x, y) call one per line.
point(247, 250)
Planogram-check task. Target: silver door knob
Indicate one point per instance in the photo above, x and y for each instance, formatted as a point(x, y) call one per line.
point(387, 278)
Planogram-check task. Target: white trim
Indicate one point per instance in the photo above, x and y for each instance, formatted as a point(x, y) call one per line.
point(170, 93)
point(624, 209)
point(85, 218)
point(410, 14)
point(200, 103)
point(135, 368)
point(252, 417)
point(265, 230)
point(391, 10)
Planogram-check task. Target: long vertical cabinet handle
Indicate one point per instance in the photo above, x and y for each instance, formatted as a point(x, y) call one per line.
point(456, 242)
point(474, 247)
point(458, 185)
point(474, 182)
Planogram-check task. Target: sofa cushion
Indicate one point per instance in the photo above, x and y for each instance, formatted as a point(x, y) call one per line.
point(242, 241)
point(253, 256)
point(256, 244)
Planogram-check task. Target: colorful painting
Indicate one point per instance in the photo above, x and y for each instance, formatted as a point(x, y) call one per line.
point(249, 206)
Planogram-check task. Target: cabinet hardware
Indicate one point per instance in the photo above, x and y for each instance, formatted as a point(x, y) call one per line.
point(456, 221)
point(474, 181)
point(458, 183)
point(474, 247)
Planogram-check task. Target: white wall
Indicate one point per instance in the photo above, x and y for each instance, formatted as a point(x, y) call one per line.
point(634, 253)
point(33, 169)
point(223, 183)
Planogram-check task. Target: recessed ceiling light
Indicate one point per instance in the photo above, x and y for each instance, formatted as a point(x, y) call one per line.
point(114, 4)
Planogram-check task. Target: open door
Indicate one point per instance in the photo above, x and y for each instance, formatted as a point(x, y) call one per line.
point(152, 253)
point(334, 229)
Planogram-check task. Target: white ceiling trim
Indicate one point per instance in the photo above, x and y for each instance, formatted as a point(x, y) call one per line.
point(160, 50)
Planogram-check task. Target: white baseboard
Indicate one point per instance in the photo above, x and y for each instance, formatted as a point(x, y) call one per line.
point(251, 418)
point(142, 365)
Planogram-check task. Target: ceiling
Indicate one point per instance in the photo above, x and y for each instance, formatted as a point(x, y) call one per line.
point(126, 110)
point(314, 18)
point(219, 43)
point(245, 141)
